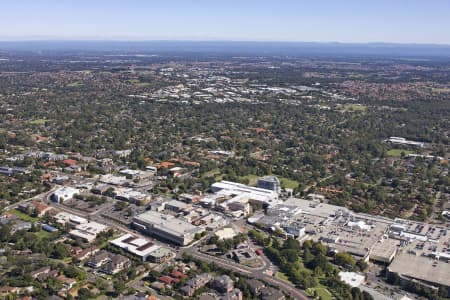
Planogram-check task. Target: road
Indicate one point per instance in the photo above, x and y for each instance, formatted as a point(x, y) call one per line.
point(257, 274)
point(224, 263)
point(41, 196)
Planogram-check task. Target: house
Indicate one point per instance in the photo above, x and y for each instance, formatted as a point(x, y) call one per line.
point(269, 293)
point(69, 162)
point(99, 259)
point(116, 264)
point(67, 282)
point(5, 290)
point(43, 277)
point(177, 274)
point(235, 294)
point(21, 225)
point(158, 285)
point(255, 286)
point(195, 283)
point(168, 280)
point(43, 270)
point(222, 284)
point(41, 209)
point(86, 253)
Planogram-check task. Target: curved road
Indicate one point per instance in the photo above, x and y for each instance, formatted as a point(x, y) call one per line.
point(257, 274)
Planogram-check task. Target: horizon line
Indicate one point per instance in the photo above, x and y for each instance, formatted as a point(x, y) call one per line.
point(25, 40)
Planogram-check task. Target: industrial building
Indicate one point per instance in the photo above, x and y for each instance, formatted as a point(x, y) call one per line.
point(166, 227)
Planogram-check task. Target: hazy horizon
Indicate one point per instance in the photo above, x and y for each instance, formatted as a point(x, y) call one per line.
point(323, 21)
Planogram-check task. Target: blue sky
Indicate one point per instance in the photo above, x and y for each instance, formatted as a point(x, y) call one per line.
point(401, 21)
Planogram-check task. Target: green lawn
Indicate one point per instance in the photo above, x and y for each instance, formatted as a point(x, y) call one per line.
point(398, 152)
point(136, 82)
point(23, 216)
point(354, 107)
point(252, 179)
point(323, 293)
point(42, 233)
point(211, 173)
point(288, 183)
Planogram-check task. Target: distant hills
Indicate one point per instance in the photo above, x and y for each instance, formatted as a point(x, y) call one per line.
point(236, 48)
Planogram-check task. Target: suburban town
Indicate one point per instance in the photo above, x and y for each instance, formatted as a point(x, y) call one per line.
point(141, 171)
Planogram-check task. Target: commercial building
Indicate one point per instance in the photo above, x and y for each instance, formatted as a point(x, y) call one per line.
point(132, 196)
point(87, 231)
point(137, 174)
point(113, 179)
point(67, 218)
point(63, 194)
point(176, 206)
point(166, 227)
point(270, 183)
point(253, 194)
point(404, 142)
point(142, 248)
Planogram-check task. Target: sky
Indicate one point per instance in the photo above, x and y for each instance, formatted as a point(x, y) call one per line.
point(353, 21)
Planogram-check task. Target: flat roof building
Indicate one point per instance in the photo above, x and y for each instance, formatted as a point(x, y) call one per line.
point(88, 231)
point(63, 194)
point(166, 227)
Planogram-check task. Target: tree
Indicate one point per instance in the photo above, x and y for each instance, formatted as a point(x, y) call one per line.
point(85, 293)
point(59, 251)
point(119, 286)
point(345, 259)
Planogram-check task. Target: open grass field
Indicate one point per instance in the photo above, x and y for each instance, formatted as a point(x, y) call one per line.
point(252, 179)
point(138, 83)
point(211, 173)
point(23, 216)
point(398, 152)
point(38, 122)
point(288, 183)
point(321, 292)
point(354, 107)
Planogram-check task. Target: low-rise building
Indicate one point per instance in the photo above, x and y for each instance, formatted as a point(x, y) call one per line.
point(88, 231)
point(63, 194)
point(195, 283)
point(222, 284)
point(270, 183)
point(142, 248)
point(166, 227)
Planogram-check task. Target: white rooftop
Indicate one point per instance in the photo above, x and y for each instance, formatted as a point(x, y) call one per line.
point(139, 246)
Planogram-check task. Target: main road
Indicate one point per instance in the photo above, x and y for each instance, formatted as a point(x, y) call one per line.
point(224, 263)
point(246, 271)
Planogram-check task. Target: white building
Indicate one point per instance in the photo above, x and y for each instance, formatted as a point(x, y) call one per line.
point(88, 231)
point(166, 227)
point(63, 194)
point(140, 247)
point(253, 194)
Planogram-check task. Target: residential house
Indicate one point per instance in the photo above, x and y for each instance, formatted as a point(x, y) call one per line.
point(116, 264)
point(269, 293)
point(222, 284)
